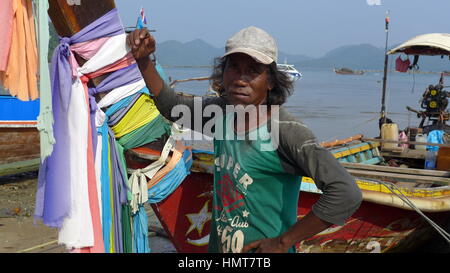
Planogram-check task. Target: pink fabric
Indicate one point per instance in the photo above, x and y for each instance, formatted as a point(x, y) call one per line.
point(402, 65)
point(6, 16)
point(88, 49)
point(92, 191)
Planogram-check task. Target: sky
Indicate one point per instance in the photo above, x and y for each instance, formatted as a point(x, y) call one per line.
point(311, 27)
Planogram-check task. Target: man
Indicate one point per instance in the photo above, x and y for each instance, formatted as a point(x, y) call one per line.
point(256, 189)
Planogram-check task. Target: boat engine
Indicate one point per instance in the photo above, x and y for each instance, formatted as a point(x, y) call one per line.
point(434, 100)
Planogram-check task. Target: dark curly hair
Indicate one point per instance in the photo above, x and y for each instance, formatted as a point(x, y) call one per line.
point(283, 86)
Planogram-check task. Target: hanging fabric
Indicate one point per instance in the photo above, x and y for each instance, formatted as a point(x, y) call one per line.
point(20, 74)
point(56, 206)
point(6, 27)
point(45, 118)
point(96, 207)
point(402, 65)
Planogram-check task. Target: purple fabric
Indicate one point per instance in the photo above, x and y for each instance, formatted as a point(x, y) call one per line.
point(53, 192)
point(118, 78)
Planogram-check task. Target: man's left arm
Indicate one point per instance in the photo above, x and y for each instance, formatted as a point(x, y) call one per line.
point(340, 196)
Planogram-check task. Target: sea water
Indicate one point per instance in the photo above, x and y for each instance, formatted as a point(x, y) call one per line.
point(339, 106)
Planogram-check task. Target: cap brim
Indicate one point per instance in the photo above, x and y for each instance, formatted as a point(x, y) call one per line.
point(258, 56)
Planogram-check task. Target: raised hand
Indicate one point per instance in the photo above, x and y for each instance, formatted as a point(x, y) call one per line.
point(141, 43)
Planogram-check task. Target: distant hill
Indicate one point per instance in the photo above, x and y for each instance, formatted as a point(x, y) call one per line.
point(366, 56)
point(363, 56)
point(200, 53)
point(193, 53)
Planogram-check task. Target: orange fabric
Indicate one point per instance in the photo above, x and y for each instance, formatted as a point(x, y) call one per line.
point(176, 157)
point(20, 76)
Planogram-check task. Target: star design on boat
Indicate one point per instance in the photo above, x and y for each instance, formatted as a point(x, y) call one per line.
point(198, 220)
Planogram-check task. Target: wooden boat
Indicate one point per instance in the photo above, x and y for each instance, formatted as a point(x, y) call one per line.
point(384, 222)
point(19, 137)
point(347, 71)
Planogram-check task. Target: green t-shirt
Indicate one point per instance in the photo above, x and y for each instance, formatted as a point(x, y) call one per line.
point(254, 198)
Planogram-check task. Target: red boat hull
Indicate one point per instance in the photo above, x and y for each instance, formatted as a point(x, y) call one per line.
point(373, 228)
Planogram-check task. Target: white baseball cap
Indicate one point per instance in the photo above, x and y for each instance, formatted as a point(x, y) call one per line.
point(254, 42)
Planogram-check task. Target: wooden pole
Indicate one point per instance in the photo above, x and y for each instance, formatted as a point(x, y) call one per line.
point(69, 19)
point(383, 95)
point(340, 141)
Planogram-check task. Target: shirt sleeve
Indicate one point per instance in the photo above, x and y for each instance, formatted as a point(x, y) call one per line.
point(188, 111)
point(302, 155)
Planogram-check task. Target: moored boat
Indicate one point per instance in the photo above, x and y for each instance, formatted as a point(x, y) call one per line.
point(347, 71)
point(290, 70)
point(383, 223)
point(19, 136)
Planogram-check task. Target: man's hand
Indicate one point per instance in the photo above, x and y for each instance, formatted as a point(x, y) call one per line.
point(271, 245)
point(306, 227)
point(141, 43)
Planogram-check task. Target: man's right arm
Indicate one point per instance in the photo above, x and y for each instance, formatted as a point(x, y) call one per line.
point(142, 44)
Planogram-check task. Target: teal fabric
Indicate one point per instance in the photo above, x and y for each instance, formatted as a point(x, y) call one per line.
point(45, 118)
point(140, 236)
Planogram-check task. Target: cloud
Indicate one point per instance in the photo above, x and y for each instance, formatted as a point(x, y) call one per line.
point(374, 2)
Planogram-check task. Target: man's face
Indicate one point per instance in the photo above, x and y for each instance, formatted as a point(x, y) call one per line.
point(245, 80)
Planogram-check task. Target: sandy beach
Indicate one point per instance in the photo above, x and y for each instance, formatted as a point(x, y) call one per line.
point(20, 234)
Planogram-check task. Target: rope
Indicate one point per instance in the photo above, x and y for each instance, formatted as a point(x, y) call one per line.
point(405, 199)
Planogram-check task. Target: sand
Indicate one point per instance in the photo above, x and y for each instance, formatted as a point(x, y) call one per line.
point(20, 234)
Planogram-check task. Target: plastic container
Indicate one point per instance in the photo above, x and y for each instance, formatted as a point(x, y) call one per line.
point(421, 138)
point(389, 131)
point(430, 160)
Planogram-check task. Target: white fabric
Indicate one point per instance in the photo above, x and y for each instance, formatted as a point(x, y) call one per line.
point(77, 229)
point(112, 50)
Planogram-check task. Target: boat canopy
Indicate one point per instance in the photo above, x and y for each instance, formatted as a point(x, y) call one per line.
point(426, 44)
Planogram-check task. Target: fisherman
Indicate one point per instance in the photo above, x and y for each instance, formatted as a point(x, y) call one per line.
point(256, 188)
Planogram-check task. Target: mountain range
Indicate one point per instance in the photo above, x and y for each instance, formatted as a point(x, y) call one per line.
point(362, 56)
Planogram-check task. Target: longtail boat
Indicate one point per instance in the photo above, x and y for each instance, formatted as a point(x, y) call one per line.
point(398, 207)
point(19, 136)
point(347, 71)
